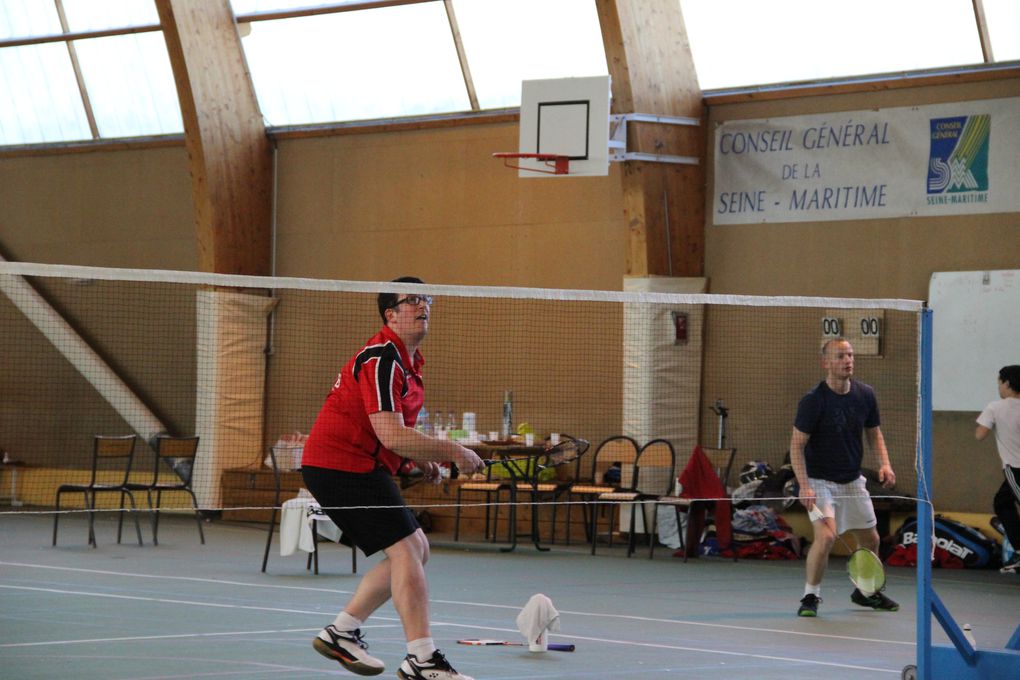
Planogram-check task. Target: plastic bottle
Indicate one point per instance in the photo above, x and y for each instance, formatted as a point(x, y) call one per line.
point(451, 421)
point(422, 424)
point(508, 414)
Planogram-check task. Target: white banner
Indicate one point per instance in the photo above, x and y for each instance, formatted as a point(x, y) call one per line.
point(945, 159)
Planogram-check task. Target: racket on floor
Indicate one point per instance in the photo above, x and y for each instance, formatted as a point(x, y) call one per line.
point(552, 646)
point(863, 567)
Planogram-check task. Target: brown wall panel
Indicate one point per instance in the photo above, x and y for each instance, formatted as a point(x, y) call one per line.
point(434, 203)
point(123, 208)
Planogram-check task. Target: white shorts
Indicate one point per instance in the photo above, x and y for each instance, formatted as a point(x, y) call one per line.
point(849, 504)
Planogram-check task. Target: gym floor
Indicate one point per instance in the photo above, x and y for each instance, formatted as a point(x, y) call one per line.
point(184, 610)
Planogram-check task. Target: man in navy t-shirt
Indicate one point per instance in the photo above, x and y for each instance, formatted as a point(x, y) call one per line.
point(826, 450)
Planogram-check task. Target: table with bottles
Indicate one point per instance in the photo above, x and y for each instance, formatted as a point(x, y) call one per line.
point(520, 460)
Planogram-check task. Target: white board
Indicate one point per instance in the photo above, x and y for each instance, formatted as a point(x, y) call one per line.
point(976, 331)
point(568, 117)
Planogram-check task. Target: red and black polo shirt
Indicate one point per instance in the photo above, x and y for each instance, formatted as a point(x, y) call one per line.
point(381, 377)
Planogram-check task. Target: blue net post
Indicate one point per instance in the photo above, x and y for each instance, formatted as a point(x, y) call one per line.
point(924, 507)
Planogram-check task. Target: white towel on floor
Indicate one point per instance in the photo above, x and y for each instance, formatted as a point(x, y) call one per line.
point(538, 616)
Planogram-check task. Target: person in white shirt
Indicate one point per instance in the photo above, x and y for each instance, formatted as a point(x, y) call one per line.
point(1003, 416)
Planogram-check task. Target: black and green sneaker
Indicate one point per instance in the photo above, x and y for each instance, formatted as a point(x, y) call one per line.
point(809, 605)
point(877, 601)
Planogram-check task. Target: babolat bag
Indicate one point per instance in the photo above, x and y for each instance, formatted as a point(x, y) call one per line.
point(956, 545)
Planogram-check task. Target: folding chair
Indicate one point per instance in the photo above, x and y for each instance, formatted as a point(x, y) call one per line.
point(111, 472)
point(653, 476)
point(616, 450)
point(490, 488)
point(178, 455)
point(275, 510)
point(313, 557)
point(721, 461)
point(539, 490)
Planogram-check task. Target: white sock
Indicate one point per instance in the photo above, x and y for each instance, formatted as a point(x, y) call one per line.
point(815, 590)
point(345, 621)
point(422, 648)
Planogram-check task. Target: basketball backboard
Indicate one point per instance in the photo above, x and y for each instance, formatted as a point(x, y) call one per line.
point(566, 117)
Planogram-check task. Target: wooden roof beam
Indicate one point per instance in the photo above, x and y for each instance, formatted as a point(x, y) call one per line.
point(653, 72)
point(229, 153)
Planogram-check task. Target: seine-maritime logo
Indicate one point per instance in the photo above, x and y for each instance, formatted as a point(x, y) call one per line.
point(958, 161)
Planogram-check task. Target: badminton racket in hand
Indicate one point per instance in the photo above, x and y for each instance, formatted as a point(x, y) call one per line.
point(552, 646)
point(863, 567)
point(566, 451)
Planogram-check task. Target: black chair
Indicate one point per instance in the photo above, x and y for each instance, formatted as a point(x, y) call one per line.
point(490, 487)
point(722, 463)
point(313, 557)
point(275, 509)
point(652, 476)
point(590, 472)
point(175, 455)
point(537, 490)
point(111, 473)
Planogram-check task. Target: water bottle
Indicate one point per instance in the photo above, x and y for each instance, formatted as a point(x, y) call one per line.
point(508, 414)
point(451, 421)
point(422, 424)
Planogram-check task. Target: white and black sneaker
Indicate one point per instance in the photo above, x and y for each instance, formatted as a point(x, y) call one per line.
point(436, 668)
point(347, 647)
point(1012, 566)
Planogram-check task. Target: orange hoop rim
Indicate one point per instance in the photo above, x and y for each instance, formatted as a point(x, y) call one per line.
point(560, 164)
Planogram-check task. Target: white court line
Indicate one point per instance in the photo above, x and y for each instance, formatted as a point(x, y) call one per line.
point(625, 617)
point(755, 629)
point(630, 643)
point(159, 577)
point(136, 638)
point(167, 600)
point(706, 650)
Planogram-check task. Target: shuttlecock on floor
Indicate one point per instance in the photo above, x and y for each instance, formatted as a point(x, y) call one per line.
point(538, 616)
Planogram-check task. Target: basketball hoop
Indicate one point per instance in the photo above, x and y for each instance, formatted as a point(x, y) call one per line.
point(560, 164)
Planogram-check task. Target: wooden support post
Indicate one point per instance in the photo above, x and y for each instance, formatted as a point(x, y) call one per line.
point(229, 154)
point(653, 73)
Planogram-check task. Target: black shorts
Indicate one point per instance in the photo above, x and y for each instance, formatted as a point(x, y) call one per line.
point(367, 506)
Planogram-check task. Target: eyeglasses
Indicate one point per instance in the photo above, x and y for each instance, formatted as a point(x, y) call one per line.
point(413, 300)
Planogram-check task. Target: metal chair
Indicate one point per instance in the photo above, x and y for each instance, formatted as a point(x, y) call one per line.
point(722, 461)
point(313, 557)
point(111, 472)
point(614, 451)
point(551, 490)
point(652, 476)
point(490, 487)
point(177, 454)
point(276, 508)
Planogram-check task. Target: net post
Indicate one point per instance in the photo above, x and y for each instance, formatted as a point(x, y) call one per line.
point(924, 522)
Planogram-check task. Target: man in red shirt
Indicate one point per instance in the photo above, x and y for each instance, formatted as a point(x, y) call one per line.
point(362, 435)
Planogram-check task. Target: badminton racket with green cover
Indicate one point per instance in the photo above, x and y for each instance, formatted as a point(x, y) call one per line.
point(863, 567)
